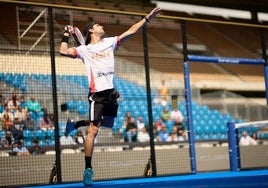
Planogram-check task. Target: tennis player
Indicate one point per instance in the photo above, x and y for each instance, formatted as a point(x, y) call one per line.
point(98, 57)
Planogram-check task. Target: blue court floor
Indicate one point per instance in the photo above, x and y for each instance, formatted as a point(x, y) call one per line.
point(226, 179)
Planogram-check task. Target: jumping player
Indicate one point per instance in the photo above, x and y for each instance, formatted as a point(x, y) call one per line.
point(98, 57)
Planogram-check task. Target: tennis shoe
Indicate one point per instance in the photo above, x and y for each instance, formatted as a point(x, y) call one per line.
point(88, 176)
point(70, 126)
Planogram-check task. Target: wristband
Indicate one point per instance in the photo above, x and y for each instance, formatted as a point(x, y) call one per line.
point(65, 39)
point(146, 19)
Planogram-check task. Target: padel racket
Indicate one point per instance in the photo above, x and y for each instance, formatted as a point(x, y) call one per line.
point(78, 37)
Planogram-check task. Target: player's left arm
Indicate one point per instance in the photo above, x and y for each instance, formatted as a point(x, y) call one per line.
point(134, 28)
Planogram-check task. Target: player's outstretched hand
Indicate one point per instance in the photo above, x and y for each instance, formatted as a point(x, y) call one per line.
point(153, 13)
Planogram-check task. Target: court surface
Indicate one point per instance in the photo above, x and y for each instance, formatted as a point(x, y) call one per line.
point(247, 178)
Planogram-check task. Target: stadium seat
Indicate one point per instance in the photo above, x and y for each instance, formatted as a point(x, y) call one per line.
point(40, 135)
point(28, 135)
point(1, 109)
point(2, 133)
point(28, 143)
point(81, 110)
point(71, 106)
point(51, 142)
point(42, 143)
point(51, 133)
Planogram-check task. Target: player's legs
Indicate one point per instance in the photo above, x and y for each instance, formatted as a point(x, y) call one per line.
point(91, 133)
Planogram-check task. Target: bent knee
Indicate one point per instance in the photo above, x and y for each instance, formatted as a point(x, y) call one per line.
point(92, 130)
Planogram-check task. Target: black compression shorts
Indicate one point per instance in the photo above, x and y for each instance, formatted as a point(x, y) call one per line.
point(103, 103)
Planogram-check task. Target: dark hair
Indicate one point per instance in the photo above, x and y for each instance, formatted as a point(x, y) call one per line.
point(86, 33)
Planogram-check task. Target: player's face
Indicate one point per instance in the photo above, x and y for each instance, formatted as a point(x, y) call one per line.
point(98, 29)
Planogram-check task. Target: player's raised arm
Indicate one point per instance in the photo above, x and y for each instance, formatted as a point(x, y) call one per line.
point(64, 46)
point(134, 28)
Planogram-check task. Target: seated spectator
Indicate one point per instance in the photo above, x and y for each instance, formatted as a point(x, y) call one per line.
point(79, 138)
point(67, 140)
point(36, 149)
point(20, 149)
point(29, 123)
point(183, 135)
point(13, 102)
point(7, 118)
point(163, 135)
point(17, 130)
point(131, 130)
point(173, 136)
point(176, 115)
point(140, 123)
point(45, 123)
point(21, 113)
point(33, 105)
point(23, 103)
point(158, 126)
point(246, 140)
point(3, 99)
point(143, 135)
point(178, 124)
point(165, 115)
point(8, 140)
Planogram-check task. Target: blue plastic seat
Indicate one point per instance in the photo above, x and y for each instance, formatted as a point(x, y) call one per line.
point(2, 133)
point(51, 142)
point(28, 143)
point(42, 143)
point(40, 134)
point(50, 133)
point(28, 135)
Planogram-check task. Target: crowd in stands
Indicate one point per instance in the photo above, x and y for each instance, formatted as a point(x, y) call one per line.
point(17, 116)
point(169, 127)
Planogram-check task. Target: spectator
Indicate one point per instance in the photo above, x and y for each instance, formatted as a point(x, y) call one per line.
point(52, 119)
point(158, 126)
point(131, 130)
point(3, 100)
point(183, 135)
point(79, 138)
point(127, 119)
point(246, 140)
point(165, 115)
point(7, 140)
point(143, 135)
point(17, 130)
point(164, 93)
point(29, 123)
point(13, 102)
point(173, 136)
point(23, 103)
point(176, 115)
point(20, 149)
point(140, 123)
point(7, 118)
point(36, 148)
point(21, 113)
point(45, 123)
point(163, 134)
point(33, 105)
point(255, 137)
